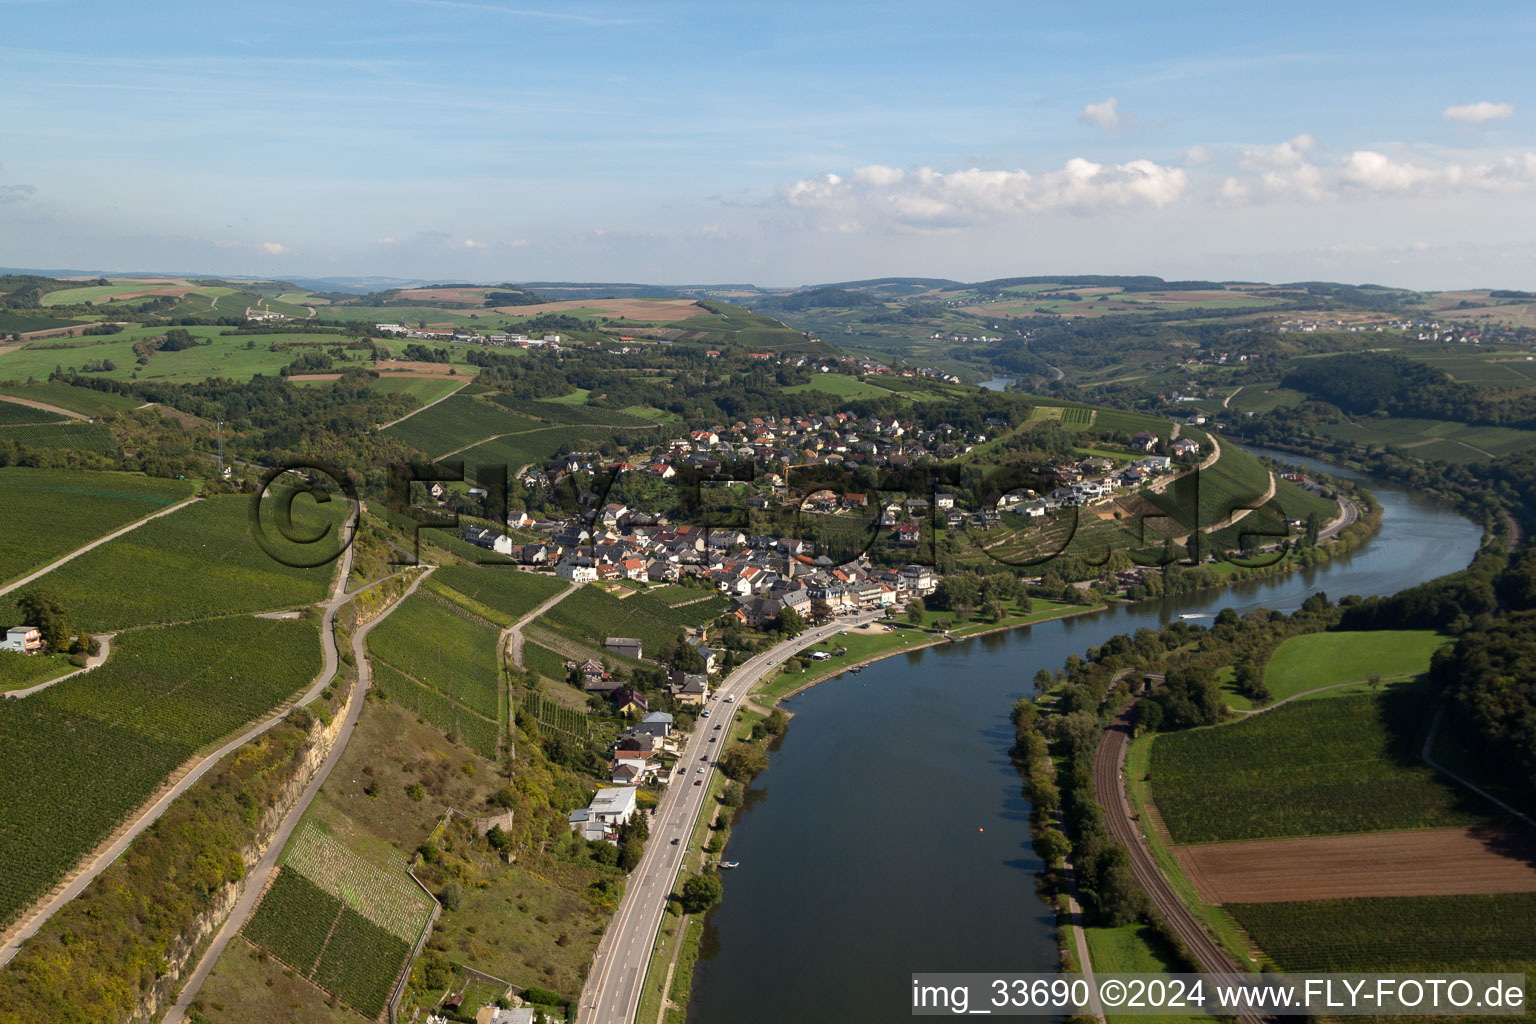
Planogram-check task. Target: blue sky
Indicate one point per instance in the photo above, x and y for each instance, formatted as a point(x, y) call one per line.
point(781, 143)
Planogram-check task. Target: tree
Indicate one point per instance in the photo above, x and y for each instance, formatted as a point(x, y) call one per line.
point(791, 622)
point(734, 794)
point(451, 896)
point(700, 893)
point(686, 657)
point(44, 610)
point(994, 610)
point(915, 611)
point(742, 761)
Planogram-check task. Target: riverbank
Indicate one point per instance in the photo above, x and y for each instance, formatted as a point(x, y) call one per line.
point(830, 671)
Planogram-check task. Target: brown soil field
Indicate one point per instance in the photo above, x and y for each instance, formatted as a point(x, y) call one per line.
point(635, 309)
point(475, 295)
point(1425, 862)
point(402, 367)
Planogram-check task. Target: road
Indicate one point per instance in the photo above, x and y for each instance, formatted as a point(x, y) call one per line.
point(1348, 513)
point(612, 992)
point(45, 407)
point(513, 636)
point(98, 542)
point(413, 412)
point(1109, 787)
point(256, 879)
point(94, 661)
point(99, 860)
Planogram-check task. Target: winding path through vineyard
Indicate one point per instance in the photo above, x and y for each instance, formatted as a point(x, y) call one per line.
point(256, 881)
point(513, 638)
point(184, 778)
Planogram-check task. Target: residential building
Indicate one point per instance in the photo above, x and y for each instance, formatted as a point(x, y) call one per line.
point(629, 647)
point(22, 640)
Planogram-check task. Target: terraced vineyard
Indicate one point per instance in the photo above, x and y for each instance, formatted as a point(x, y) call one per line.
point(1319, 767)
point(100, 744)
point(558, 717)
point(196, 563)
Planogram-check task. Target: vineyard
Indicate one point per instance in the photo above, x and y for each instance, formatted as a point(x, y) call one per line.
point(592, 614)
point(1318, 767)
point(455, 423)
point(321, 937)
point(509, 592)
point(51, 512)
point(1076, 416)
point(1412, 933)
point(11, 413)
point(387, 898)
point(436, 642)
point(557, 717)
point(197, 563)
point(543, 661)
point(101, 743)
point(574, 415)
point(454, 719)
point(73, 435)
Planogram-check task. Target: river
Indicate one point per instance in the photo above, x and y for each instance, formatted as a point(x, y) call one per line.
point(890, 836)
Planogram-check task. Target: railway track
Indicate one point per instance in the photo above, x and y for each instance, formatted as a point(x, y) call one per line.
point(1108, 773)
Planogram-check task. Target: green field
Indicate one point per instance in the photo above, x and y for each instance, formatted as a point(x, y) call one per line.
point(195, 563)
point(51, 512)
point(1325, 659)
point(100, 743)
point(454, 719)
point(218, 354)
point(1320, 767)
point(555, 411)
point(1436, 439)
point(1416, 933)
point(841, 385)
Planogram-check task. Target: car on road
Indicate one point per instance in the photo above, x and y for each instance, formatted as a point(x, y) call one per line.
point(729, 699)
point(698, 782)
point(713, 738)
point(700, 771)
point(717, 728)
point(704, 713)
point(675, 840)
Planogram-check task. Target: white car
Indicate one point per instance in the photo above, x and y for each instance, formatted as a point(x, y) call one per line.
point(729, 699)
point(699, 772)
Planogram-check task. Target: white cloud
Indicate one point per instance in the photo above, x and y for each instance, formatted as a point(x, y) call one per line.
point(1477, 113)
point(470, 243)
point(930, 199)
point(1106, 115)
point(1276, 171)
point(16, 193)
point(274, 248)
point(1194, 156)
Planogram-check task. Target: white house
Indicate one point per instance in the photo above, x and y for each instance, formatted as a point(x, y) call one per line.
point(577, 570)
point(22, 640)
point(609, 808)
point(490, 539)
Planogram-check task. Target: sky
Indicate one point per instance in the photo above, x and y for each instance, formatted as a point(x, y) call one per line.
point(779, 144)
